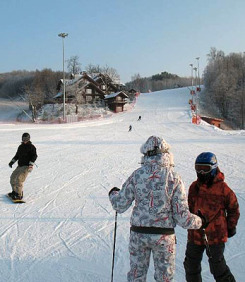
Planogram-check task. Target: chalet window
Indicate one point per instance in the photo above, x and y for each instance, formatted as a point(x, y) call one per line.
point(88, 91)
point(103, 87)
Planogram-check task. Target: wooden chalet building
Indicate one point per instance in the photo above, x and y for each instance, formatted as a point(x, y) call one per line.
point(116, 101)
point(87, 89)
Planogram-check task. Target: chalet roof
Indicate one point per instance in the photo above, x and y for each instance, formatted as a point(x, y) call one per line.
point(77, 78)
point(112, 95)
point(84, 80)
point(69, 81)
point(102, 77)
point(95, 79)
point(89, 78)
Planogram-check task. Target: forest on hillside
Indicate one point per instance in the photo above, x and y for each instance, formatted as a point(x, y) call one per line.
point(224, 81)
point(41, 85)
point(156, 82)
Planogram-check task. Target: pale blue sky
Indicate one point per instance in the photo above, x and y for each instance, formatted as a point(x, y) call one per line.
point(133, 36)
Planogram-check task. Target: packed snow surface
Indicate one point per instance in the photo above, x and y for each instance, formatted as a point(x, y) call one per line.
point(65, 230)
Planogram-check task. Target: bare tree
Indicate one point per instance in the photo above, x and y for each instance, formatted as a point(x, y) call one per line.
point(73, 65)
point(136, 82)
point(112, 73)
point(35, 98)
point(106, 70)
point(93, 69)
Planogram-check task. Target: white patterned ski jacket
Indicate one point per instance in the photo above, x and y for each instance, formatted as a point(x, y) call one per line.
point(159, 195)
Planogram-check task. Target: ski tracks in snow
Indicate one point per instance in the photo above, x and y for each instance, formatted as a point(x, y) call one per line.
point(65, 230)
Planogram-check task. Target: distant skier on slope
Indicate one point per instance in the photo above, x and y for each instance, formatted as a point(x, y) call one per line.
point(26, 156)
point(210, 194)
point(139, 118)
point(160, 204)
point(130, 128)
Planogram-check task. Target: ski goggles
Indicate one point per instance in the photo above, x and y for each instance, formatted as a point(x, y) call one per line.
point(204, 168)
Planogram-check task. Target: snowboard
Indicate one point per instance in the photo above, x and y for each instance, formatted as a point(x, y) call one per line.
point(15, 201)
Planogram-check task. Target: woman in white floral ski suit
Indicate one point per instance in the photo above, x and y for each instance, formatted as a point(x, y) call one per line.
point(160, 204)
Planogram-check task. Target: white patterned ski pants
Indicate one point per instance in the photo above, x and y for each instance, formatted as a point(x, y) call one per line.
point(163, 249)
point(18, 178)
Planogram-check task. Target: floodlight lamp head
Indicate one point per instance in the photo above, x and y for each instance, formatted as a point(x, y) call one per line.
point(63, 34)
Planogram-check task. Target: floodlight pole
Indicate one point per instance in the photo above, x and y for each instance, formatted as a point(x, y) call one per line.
point(197, 58)
point(63, 35)
point(191, 65)
point(195, 69)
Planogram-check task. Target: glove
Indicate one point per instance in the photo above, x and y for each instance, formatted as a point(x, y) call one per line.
point(205, 223)
point(231, 232)
point(30, 168)
point(114, 189)
point(11, 164)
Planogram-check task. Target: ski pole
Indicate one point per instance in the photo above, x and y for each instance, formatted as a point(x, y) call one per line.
point(205, 238)
point(114, 245)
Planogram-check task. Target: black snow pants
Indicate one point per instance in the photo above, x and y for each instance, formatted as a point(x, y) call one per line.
point(217, 263)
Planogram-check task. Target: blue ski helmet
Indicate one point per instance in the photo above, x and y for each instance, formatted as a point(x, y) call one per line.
point(209, 159)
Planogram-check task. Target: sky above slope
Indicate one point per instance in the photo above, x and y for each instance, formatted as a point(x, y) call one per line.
point(139, 36)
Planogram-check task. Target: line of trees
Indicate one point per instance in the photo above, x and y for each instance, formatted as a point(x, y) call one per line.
point(16, 83)
point(35, 87)
point(43, 84)
point(74, 67)
point(224, 81)
point(157, 82)
point(39, 87)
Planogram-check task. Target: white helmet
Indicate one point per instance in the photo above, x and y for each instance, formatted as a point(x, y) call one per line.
point(157, 145)
point(154, 144)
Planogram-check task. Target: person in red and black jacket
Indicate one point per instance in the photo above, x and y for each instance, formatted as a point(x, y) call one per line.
point(26, 155)
point(211, 196)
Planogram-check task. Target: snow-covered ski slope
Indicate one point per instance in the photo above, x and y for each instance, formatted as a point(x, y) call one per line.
point(65, 230)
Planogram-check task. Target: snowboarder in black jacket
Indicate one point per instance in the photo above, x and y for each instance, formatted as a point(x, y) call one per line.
point(26, 156)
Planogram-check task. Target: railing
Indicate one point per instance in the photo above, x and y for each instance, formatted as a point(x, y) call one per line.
point(71, 118)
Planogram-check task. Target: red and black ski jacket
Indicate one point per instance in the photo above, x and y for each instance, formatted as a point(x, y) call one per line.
point(218, 203)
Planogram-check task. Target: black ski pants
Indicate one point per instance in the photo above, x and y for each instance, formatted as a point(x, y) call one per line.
point(217, 263)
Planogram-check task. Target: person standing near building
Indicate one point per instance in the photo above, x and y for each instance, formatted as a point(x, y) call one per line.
point(160, 204)
point(213, 197)
point(26, 156)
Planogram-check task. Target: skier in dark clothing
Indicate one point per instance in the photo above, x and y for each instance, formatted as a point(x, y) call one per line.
point(218, 203)
point(26, 156)
point(139, 118)
point(130, 128)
